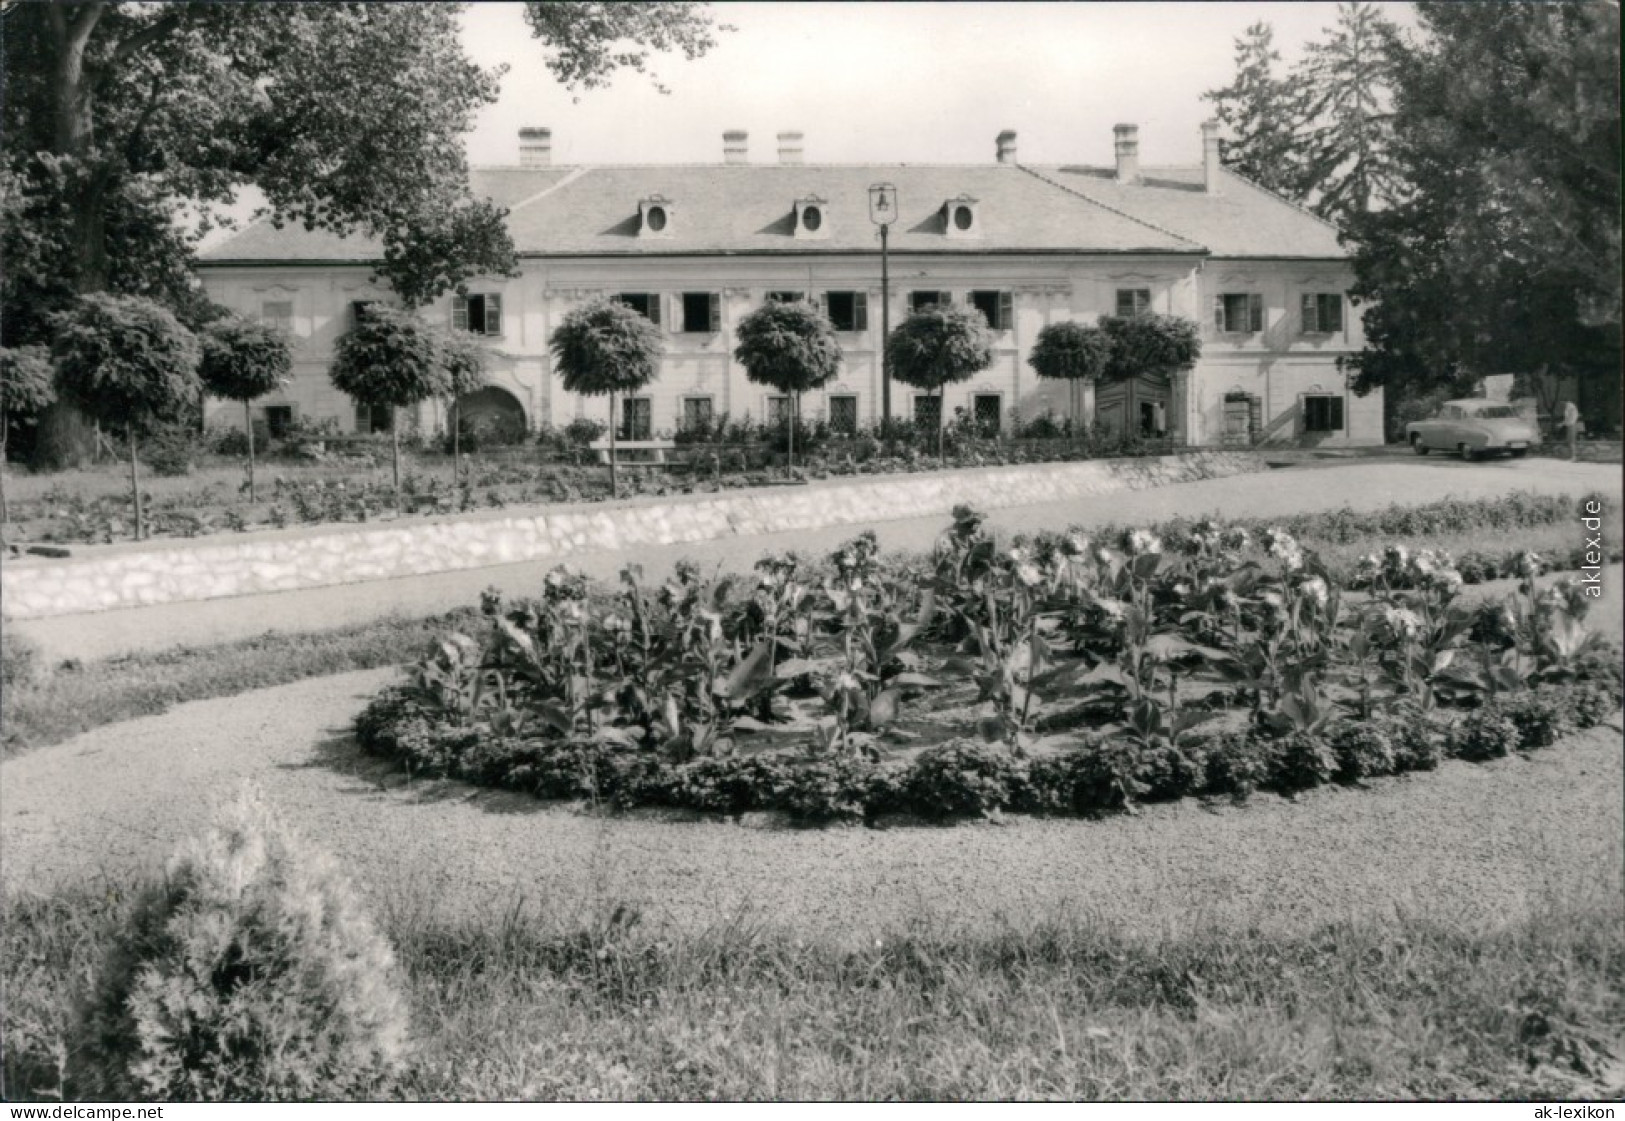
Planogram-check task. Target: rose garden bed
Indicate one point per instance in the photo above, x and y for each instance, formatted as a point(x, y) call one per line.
point(1059, 675)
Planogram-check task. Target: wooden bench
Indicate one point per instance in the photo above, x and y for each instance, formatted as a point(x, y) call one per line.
point(634, 453)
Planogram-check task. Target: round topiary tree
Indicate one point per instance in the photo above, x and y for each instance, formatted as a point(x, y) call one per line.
point(603, 348)
point(27, 386)
point(938, 345)
point(1150, 344)
point(251, 973)
point(243, 361)
point(393, 359)
point(463, 361)
point(127, 363)
point(791, 347)
point(1073, 352)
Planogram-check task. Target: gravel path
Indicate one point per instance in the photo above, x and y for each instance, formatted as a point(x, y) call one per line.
point(1362, 485)
point(1468, 844)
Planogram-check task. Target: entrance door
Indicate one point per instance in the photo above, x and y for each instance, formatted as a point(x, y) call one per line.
point(638, 415)
point(1136, 407)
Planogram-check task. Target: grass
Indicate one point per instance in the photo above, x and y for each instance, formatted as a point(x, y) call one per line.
point(526, 1006)
point(57, 703)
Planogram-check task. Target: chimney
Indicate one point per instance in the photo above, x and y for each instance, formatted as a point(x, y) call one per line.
point(734, 149)
point(790, 148)
point(535, 147)
point(1210, 156)
point(1006, 145)
point(1128, 152)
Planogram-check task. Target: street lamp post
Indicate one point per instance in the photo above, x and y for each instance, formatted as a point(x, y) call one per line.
point(883, 212)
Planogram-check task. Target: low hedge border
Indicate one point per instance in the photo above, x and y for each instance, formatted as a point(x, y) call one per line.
point(967, 779)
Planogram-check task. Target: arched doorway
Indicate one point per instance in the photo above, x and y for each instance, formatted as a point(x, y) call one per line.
point(1137, 407)
point(490, 416)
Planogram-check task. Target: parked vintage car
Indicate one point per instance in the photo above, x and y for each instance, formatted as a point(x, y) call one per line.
point(1472, 428)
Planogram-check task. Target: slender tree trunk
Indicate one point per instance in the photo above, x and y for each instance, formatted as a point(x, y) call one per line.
point(248, 423)
point(135, 488)
point(614, 481)
point(942, 422)
point(795, 417)
point(5, 511)
point(395, 445)
point(456, 445)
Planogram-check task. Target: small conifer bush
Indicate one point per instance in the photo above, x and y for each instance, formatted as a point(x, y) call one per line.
point(250, 974)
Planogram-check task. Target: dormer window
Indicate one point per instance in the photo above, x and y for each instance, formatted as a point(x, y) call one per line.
point(961, 217)
point(654, 213)
point(812, 220)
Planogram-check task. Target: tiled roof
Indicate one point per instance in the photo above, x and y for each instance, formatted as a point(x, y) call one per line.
point(1241, 220)
point(747, 209)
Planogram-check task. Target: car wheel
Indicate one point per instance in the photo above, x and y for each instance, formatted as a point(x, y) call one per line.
point(1418, 446)
point(1465, 452)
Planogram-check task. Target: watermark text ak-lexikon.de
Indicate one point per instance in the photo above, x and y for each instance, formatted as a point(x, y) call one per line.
point(1595, 554)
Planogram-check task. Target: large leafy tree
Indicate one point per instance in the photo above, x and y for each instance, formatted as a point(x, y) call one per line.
point(791, 347)
point(1072, 352)
point(27, 386)
point(243, 361)
point(605, 348)
point(121, 118)
point(1504, 256)
point(390, 358)
point(937, 346)
point(127, 362)
point(1258, 112)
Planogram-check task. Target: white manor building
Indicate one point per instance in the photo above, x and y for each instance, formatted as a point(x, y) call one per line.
point(696, 247)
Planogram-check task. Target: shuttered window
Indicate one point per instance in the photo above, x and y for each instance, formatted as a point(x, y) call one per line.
point(1239, 312)
point(646, 304)
point(920, 300)
point(702, 312)
point(480, 314)
point(1133, 301)
point(848, 311)
point(1322, 313)
point(997, 307)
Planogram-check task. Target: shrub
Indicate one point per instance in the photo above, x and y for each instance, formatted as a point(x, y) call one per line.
point(1539, 714)
point(1487, 733)
point(1590, 703)
point(250, 974)
point(727, 784)
point(1362, 750)
point(1169, 771)
point(1092, 777)
point(171, 450)
point(19, 660)
point(962, 778)
point(1236, 763)
point(380, 726)
point(842, 788)
point(232, 442)
point(1300, 760)
point(1417, 740)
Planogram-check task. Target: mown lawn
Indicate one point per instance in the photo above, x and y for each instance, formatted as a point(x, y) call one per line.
point(524, 1007)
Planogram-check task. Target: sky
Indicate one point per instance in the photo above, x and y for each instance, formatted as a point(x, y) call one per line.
point(896, 83)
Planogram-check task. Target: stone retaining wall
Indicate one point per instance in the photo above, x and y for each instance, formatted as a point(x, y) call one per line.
point(176, 571)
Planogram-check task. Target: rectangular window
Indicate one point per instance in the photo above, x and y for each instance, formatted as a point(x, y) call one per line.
point(988, 411)
point(920, 300)
point(928, 411)
point(646, 304)
point(481, 314)
point(843, 413)
point(1322, 313)
point(697, 413)
point(278, 314)
point(637, 418)
point(278, 419)
point(1323, 414)
point(785, 297)
point(702, 313)
point(1239, 313)
point(374, 418)
point(1133, 301)
point(358, 310)
point(848, 311)
point(998, 308)
point(778, 410)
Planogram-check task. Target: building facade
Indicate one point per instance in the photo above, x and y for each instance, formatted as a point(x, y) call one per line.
point(696, 248)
